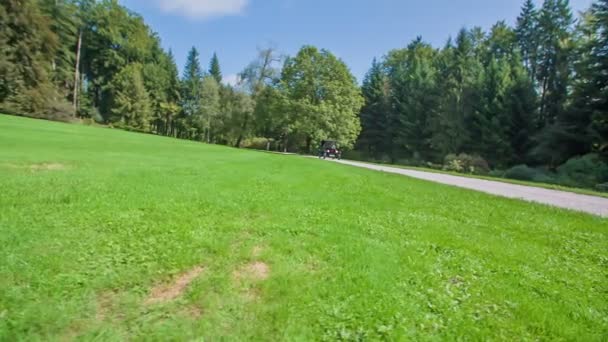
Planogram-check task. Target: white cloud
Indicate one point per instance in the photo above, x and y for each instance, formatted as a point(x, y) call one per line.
point(231, 80)
point(203, 9)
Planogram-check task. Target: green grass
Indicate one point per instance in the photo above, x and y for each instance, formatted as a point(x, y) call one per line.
point(93, 219)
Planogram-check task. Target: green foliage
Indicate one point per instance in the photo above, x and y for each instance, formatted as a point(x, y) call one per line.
point(374, 116)
point(210, 107)
point(28, 45)
point(191, 84)
point(530, 94)
point(414, 100)
point(521, 172)
point(214, 69)
point(526, 173)
point(131, 105)
point(554, 67)
point(465, 163)
point(586, 171)
point(527, 33)
point(323, 99)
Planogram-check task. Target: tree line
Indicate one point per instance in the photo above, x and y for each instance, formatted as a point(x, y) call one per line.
point(96, 59)
point(534, 94)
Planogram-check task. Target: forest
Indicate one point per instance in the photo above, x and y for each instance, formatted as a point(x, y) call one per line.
point(528, 102)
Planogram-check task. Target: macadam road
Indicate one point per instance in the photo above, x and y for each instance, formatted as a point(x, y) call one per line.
point(562, 199)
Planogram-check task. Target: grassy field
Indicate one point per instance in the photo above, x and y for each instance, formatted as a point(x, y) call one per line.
point(111, 235)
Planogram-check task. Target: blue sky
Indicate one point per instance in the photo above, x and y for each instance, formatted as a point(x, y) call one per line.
point(354, 30)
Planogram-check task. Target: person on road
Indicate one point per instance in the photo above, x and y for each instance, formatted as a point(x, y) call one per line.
point(322, 149)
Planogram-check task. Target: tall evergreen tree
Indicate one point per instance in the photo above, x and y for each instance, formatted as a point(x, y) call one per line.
point(554, 67)
point(415, 100)
point(131, 104)
point(191, 93)
point(521, 105)
point(528, 37)
point(214, 69)
point(28, 50)
point(460, 71)
point(599, 68)
point(374, 115)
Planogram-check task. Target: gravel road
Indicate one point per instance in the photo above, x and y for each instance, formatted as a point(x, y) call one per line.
point(562, 199)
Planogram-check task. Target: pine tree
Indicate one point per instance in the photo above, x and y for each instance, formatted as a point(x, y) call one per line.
point(459, 72)
point(599, 68)
point(554, 67)
point(490, 126)
point(521, 105)
point(527, 37)
point(171, 107)
point(64, 24)
point(28, 50)
point(191, 94)
point(374, 114)
point(131, 105)
point(214, 69)
point(414, 101)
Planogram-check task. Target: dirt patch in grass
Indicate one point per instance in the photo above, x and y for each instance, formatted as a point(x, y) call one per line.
point(192, 312)
point(105, 304)
point(253, 271)
point(167, 292)
point(47, 167)
point(253, 294)
point(37, 167)
point(257, 251)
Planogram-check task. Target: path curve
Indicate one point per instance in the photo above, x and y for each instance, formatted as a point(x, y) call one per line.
point(562, 199)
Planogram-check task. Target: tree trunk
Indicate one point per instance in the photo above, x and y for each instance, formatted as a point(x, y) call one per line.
point(243, 128)
point(308, 143)
point(77, 73)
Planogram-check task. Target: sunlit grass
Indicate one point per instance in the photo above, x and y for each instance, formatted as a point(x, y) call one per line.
point(96, 222)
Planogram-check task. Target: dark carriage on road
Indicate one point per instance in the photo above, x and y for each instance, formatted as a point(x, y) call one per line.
point(330, 149)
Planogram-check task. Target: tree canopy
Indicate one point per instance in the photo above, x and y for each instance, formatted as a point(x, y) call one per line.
point(533, 94)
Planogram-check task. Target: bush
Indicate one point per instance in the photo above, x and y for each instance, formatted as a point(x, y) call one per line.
point(526, 173)
point(586, 171)
point(521, 172)
point(257, 143)
point(356, 155)
point(496, 173)
point(465, 163)
point(60, 111)
point(409, 162)
point(433, 166)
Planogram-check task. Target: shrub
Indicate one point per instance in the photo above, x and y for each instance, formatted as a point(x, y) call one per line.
point(584, 171)
point(409, 162)
point(602, 187)
point(59, 111)
point(433, 166)
point(521, 172)
point(356, 155)
point(257, 143)
point(497, 173)
point(465, 163)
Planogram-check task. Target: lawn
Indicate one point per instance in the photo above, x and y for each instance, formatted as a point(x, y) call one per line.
point(112, 235)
